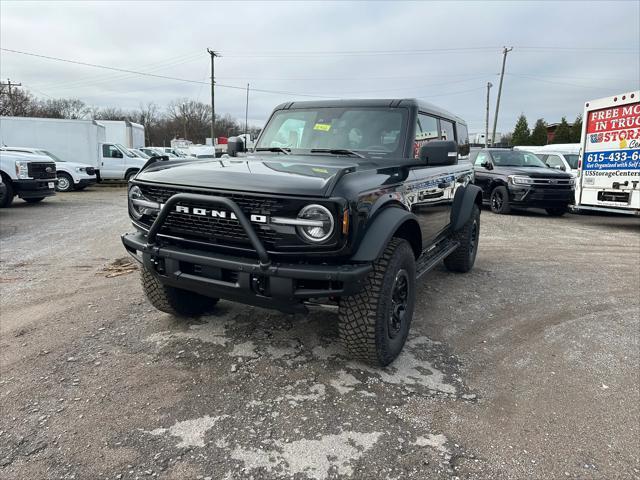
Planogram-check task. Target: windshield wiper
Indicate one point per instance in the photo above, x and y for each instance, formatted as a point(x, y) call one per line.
point(274, 149)
point(337, 151)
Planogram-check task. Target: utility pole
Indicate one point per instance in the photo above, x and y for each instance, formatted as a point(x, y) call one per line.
point(213, 54)
point(505, 50)
point(9, 84)
point(246, 118)
point(486, 120)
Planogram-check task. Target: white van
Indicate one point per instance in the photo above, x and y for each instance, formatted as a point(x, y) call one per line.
point(609, 165)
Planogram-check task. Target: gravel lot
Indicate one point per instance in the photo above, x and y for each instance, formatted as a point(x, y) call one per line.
point(527, 367)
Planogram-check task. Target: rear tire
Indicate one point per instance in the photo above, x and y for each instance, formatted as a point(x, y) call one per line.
point(557, 211)
point(463, 257)
point(65, 183)
point(499, 201)
point(7, 198)
point(33, 200)
point(374, 323)
point(175, 301)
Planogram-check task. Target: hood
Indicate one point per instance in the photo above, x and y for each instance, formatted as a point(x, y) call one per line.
point(72, 165)
point(277, 174)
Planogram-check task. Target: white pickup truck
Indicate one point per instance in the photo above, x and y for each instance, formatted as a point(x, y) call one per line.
point(71, 175)
point(30, 177)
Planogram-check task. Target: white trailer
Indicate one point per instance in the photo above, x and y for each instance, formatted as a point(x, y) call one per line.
point(609, 165)
point(124, 132)
point(81, 141)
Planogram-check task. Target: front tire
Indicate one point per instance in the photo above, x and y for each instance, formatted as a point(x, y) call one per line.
point(499, 201)
point(33, 200)
point(130, 175)
point(65, 183)
point(556, 211)
point(374, 323)
point(175, 301)
point(463, 257)
point(7, 197)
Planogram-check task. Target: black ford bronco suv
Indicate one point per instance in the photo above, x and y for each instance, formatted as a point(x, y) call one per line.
point(345, 203)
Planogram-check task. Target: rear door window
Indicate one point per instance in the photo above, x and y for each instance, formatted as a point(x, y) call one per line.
point(426, 131)
point(554, 161)
point(447, 131)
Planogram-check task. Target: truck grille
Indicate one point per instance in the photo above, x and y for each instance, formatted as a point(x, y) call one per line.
point(223, 231)
point(41, 170)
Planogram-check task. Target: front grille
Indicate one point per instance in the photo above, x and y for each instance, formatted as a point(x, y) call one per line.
point(41, 170)
point(553, 181)
point(225, 231)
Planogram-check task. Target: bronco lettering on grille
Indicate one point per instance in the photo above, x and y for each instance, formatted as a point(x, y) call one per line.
point(204, 212)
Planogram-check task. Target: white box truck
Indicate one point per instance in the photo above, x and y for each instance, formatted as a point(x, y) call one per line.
point(81, 141)
point(123, 132)
point(609, 164)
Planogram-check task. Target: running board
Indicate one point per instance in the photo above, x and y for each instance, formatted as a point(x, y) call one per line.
point(431, 258)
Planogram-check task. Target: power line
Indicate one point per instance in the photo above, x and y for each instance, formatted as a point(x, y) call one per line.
point(154, 75)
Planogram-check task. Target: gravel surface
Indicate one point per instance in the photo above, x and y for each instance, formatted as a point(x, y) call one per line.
point(527, 367)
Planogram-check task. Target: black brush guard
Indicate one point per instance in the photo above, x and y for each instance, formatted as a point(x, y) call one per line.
point(263, 283)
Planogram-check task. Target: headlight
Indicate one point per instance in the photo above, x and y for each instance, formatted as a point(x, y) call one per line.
point(22, 169)
point(139, 205)
point(519, 180)
point(572, 181)
point(81, 169)
point(315, 223)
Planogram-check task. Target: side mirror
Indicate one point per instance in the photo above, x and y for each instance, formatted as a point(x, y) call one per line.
point(439, 152)
point(487, 164)
point(235, 145)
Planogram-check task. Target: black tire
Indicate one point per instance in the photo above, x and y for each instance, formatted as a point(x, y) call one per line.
point(129, 175)
point(374, 323)
point(33, 200)
point(172, 300)
point(499, 201)
point(65, 183)
point(463, 257)
point(556, 211)
point(7, 198)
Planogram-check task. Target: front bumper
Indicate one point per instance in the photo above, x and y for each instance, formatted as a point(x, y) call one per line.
point(540, 197)
point(31, 188)
point(85, 182)
point(280, 286)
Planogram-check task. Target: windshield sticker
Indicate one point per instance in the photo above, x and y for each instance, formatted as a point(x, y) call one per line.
point(323, 127)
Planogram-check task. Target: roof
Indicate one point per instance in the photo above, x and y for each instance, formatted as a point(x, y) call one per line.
point(376, 102)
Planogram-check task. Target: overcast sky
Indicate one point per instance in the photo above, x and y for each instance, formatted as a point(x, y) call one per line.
point(584, 50)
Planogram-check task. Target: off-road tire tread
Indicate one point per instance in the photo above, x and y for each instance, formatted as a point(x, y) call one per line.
point(358, 313)
point(174, 301)
point(458, 260)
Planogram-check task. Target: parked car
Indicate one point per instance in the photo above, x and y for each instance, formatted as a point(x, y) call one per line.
point(139, 153)
point(71, 175)
point(344, 203)
point(567, 162)
point(30, 177)
point(519, 179)
point(155, 151)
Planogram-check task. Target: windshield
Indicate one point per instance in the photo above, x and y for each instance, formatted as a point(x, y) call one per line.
point(514, 158)
point(369, 131)
point(572, 160)
point(50, 155)
point(125, 150)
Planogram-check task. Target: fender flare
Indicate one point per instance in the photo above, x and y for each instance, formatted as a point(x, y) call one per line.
point(463, 202)
point(380, 232)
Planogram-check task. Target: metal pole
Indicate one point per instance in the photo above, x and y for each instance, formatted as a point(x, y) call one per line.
point(246, 118)
point(486, 121)
point(495, 119)
point(213, 54)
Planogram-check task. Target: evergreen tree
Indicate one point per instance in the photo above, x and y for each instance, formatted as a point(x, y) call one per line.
point(539, 133)
point(563, 132)
point(576, 130)
point(521, 133)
